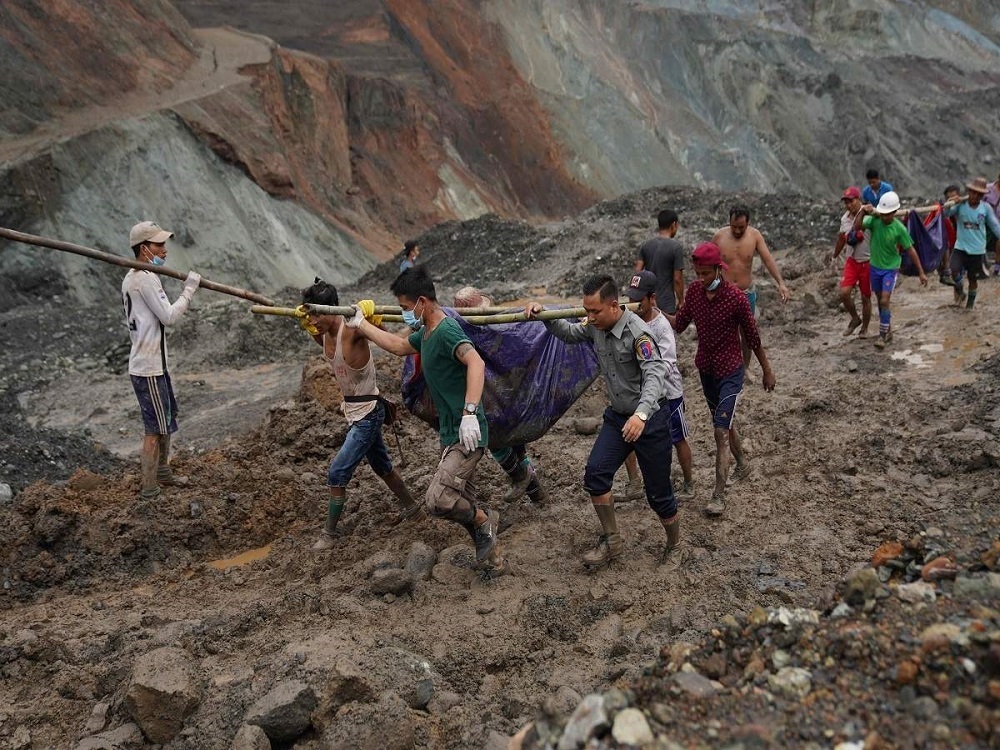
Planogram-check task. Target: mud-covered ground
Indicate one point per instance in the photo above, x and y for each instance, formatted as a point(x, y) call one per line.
point(855, 448)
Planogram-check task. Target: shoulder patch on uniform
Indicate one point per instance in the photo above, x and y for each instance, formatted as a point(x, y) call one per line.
point(645, 349)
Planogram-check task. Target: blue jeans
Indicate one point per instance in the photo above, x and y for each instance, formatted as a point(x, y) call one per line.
point(363, 441)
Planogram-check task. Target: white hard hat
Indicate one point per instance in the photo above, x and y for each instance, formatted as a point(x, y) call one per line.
point(888, 203)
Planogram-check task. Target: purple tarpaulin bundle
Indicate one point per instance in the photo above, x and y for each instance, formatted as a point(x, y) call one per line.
point(532, 378)
point(930, 242)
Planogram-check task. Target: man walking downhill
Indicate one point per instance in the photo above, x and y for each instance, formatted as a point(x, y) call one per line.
point(663, 256)
point(875, 189)
point(455, 374)
point(350, 359)
point(721, 312)
point(854, 243)
point(889, 239)
point(973, 216)
point(634, 373)
point(739, 243)
point(641, 289)
point(147, 313)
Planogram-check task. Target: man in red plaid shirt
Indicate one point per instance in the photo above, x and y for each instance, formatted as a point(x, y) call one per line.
point(720, 310)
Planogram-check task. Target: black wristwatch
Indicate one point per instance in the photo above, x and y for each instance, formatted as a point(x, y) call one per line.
point(470, 408)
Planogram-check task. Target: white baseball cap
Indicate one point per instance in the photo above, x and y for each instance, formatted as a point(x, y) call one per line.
point(888, 203)
point(148, 231)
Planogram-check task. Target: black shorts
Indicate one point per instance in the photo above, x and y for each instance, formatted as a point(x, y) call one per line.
point(971, 264)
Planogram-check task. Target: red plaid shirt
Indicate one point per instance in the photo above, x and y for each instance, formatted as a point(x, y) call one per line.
point(718, 321)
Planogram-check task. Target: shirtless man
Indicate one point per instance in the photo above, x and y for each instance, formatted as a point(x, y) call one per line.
point(739, 243)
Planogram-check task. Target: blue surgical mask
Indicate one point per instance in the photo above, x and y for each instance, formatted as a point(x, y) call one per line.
point(411, 319)
point(156, 260)
point(715, 284)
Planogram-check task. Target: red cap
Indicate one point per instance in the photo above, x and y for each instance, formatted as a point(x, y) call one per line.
point(851, 193)
point(708, 254)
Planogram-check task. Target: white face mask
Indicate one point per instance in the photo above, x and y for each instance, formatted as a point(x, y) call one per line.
point(715, 284)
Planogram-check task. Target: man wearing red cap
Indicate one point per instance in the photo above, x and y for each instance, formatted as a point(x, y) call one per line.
point(721, 312)
point(854, 243)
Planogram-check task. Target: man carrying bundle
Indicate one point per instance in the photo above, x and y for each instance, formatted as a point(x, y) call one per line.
point(972, 216)
point(455, 375)
point(634, 373)
point(350, 359)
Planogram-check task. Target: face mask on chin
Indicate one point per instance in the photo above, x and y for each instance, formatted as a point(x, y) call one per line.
point(156, 260)
point(715, 284)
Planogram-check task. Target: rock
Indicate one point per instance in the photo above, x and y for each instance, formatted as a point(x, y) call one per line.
point(98, 718)
point(942, 635)
point(631, 728)
point(563, 701)
point(906, 672)
point(588, 719)
point(364, 676)
point(694, 684)
point(791, 617)
point(284, 712)
point(385, 725)
point(919, 591)
point(794, 683)
point(939, 569)
point(862, 586)
point(451, 575)
point(886, 552)
point(125, 737)
point(587, 425)
point(990, 558)
point(925, 708)
point(251, 737)
point(841, 610)
point(163, 692)
point(780, 659)
point(715, 666)
point(391, 581)
point(6, 494)
point(21, 739)
point(444, 700)
point(987, 587)
point(420, 561)
point(851, 365)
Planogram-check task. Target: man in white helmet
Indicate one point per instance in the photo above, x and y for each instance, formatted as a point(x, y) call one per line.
point(147, 313)
point(888, 240)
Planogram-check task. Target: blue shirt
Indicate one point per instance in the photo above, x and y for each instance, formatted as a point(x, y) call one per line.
point(870, 196)
point(972, 222)
point(407, 263)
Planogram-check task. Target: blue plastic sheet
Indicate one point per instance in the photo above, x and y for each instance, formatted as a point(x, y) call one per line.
point(930, 243)
point(532, 378)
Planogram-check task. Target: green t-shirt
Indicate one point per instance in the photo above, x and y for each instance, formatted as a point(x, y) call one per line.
point(886, 239)
point(445, 377)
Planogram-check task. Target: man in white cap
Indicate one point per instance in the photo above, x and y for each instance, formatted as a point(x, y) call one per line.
point(972, 217)
point(888, 239)
point(147, 312)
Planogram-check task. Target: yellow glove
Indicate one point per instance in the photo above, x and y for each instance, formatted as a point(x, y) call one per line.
point(367, 308)
point(303, 317)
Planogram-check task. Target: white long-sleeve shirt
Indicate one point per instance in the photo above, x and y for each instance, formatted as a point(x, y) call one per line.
point(147, 312)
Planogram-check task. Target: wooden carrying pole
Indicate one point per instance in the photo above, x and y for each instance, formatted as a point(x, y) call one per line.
point(483, 320)
point(87, 252)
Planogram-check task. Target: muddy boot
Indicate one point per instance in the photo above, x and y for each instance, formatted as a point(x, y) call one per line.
point(742, 471)
point(717, 505)
point(971, 302)
point(485, 536)
point(610, 545)
point(673, 528)
point(408, 507)
point(635, 489)
point(536, 491)
point(686, 492)
point(164, 476)
point(520, 478)
point(333, 511)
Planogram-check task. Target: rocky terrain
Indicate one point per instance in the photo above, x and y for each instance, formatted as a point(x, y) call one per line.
point(847, 599)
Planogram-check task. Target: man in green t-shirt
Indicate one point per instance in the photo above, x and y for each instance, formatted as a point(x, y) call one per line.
point(889, 239)
point(455, 375)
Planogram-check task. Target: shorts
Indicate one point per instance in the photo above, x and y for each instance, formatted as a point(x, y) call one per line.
point(751, 294)
point(857, 273)
point(883, 280)
point(652, 451)
point(453, 480)
point(723, 395)
point(363, 441)
point(678, 425)
point(968, 262)
point(156, 402)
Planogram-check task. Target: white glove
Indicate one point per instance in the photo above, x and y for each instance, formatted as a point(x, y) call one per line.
point(355, 321)
point(469, 434)
point(191, 284)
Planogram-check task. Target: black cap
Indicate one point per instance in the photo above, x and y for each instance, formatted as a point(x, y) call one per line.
point(641, 285)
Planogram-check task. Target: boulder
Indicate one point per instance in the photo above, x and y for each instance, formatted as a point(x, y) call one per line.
point(125, 737)
point(164, 690)
point(385, 725)
point(862, 586)
point(285, 712)
point(362, 677)
point(420, 561)
point(251, 737)
point(394, 581)
point(631, 728)
point(589, 718)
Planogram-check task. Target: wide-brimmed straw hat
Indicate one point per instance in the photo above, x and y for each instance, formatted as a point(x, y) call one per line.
point(978, 185)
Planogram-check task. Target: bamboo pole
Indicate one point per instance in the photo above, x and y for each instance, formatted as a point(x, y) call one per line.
point(508, 317)
point(117, 260)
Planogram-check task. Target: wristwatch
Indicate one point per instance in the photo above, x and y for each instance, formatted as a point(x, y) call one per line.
point(470, 408)
point(642, 415)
